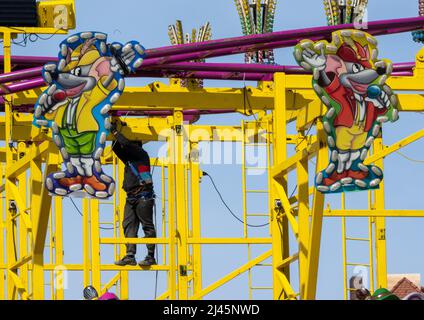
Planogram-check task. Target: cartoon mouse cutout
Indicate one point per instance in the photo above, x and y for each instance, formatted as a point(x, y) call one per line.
point(351, 81)
point(83, 85)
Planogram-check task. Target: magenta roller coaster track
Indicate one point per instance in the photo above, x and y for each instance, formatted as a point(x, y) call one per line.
point(171, 61)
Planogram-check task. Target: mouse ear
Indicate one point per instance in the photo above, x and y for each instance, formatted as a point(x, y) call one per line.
point(68, 55)
point(334, 64)
point(87, 44)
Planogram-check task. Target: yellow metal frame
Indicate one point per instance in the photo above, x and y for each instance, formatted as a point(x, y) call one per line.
point(31, 218)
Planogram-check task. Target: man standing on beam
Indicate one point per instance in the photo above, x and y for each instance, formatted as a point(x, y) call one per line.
point(138, 185)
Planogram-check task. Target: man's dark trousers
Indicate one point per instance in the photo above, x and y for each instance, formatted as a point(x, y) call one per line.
point(139, 211)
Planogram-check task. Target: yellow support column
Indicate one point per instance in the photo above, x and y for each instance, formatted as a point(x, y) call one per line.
point(2, 239)
point(40, 224)
point(195, 210)
point(172, 284)
point(303, 212)
point(23, 228)
point(124, 290)
point(182, 231)
point(58, 240)
point(380, 224)
point(95, 244)
point(10, 227)
point(279, 225)
point(86, 241)
point(316, 223)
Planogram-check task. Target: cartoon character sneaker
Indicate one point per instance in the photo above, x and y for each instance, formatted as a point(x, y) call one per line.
point(62, 183)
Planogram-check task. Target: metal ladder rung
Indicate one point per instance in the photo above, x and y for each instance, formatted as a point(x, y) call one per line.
point(106, 202)
point(357, 239)
point(256, 168)
point(264, 265)
point(261, 288)
point(257, 214)
point(255, 144)
point(358, 264)
point(107, 223)
point(257, 191)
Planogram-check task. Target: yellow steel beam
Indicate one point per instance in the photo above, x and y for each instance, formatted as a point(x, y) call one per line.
point(121, 197)
point(287, 261)
point(316, 223)
point(95, 244)
point(133, 240)
point(385, 151)
point(58, 241)
point(40, 222)
point(303, 211)
point(159, 96)
point(163, 296)
point(229, 240)
point(279, 226)
point(23, 164)
point(392, 213)
point(380, 225)
point(180, 196)
point(25, 225)
point(18, 284)
point(172, 283)
point(286, 288)
point(28, 30)
point(290, 164)
point(303, 83)
point(2, 237)
point(232, 275)
point(195, 175)
point(113, 281)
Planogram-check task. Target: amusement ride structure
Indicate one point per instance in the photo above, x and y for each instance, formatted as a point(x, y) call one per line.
point(31, 219)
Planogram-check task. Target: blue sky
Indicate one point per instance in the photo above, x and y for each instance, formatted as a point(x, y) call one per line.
point(148, 23)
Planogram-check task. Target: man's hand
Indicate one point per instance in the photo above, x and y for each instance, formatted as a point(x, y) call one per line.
point(49, 72)
point(113, 128)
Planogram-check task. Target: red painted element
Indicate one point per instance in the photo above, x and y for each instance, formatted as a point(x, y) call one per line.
point(357, 175)
point(142, 168)
point(94, 183)
point(59, 96)
point(335, 177)
point(361, 55)
point(345, 97)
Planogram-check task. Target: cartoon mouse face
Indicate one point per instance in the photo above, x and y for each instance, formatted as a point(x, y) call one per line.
point(84, 68)
point(353, 68)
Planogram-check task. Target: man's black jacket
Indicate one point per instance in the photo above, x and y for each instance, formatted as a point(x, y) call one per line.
point(131, 152)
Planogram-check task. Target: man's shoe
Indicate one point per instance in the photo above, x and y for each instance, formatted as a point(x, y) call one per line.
point(126, 261)
point(147, 262)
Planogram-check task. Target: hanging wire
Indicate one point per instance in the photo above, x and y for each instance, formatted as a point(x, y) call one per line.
point(228, 208)
point(408, 158)
point(81, 214)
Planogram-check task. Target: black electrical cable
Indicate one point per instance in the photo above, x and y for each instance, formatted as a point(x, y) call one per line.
point(226, 205)
point(307, 133)
point(81, 214)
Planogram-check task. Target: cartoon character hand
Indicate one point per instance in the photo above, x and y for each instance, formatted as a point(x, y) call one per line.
point(315, 60)
point(127, 58)
point(382, 101)
point(49, 72)
point(49, 101)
